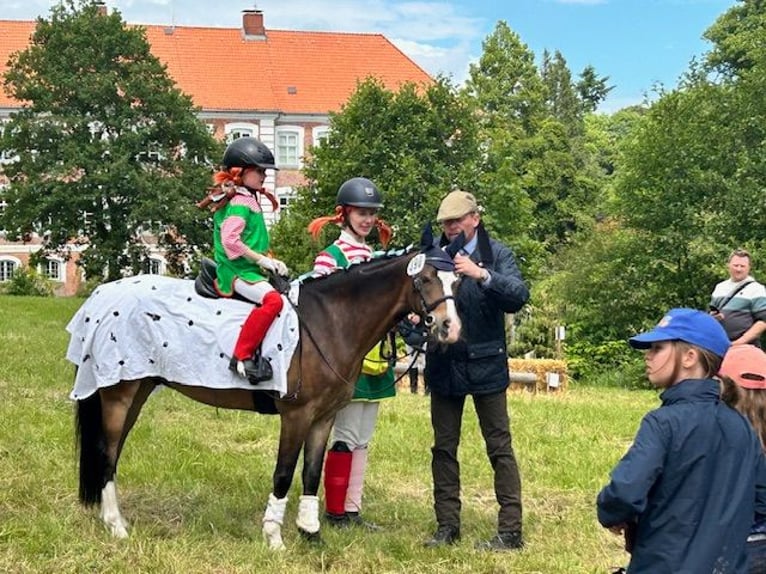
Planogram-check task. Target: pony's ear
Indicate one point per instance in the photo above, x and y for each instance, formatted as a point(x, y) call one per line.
point(427, 238)
point(456, 245)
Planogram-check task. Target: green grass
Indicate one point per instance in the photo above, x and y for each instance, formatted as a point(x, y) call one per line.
point(194, 480)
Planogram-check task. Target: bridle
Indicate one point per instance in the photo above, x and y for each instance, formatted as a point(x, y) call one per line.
point(428, 318)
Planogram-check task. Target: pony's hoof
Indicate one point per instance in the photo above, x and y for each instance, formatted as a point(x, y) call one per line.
point(118, 531)
point(313, 537)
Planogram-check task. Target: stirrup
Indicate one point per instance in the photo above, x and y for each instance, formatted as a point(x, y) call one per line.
point(257, 369)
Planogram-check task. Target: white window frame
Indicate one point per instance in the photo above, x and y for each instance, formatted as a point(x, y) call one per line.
point(283, 159)
point(15, 266)
point(5, 156)
point(43, 268)
point(236, 130)
point(318, 134)
point(159, 262)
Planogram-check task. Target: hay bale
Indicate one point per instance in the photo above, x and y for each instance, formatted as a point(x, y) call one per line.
point(540, 367)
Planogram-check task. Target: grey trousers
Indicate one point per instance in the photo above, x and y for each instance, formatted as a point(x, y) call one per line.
point(446, 419)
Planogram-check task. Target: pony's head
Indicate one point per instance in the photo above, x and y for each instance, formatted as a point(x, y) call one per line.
point(433, 275)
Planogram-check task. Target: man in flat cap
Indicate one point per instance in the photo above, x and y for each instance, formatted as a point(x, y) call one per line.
point(477, 365)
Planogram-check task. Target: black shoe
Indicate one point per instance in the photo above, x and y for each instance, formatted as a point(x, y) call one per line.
point(356, 520)
point(445, 535)
point(502, 541)
point(337, 520)
point(257, 369)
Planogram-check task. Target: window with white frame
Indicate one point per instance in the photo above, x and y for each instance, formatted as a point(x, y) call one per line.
point(289, 146)
point(238, 130)
point(53, 268)
point(8, 266)
point(285, 195)
point(319, 134)
point(5, 156)
point(154, 266)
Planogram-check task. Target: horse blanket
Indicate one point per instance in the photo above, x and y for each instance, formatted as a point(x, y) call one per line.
point(155, 326)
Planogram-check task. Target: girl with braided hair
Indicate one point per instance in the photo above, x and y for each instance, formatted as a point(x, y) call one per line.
point(241, 247)
point(356, 212)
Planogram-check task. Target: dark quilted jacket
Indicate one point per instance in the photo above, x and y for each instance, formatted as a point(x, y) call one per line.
point(478, 363)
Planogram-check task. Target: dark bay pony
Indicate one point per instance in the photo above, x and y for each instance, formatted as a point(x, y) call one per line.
point(341, 316)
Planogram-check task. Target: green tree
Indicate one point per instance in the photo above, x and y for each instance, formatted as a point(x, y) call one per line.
point(562, 97)
point(592, 89)
point(416, 144)
point(108, 149)
point(737, 37)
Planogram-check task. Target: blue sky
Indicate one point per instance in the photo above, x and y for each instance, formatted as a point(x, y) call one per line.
point(637, 43)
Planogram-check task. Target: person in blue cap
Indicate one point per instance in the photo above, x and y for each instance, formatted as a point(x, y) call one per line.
point(686, 491)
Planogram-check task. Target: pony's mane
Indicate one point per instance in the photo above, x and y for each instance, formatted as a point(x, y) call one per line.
point(377, 260)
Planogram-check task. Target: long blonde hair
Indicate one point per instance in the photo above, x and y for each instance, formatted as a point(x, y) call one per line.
point(752, 404)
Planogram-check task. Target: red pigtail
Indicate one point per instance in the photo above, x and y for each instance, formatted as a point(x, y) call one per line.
point(316, 226)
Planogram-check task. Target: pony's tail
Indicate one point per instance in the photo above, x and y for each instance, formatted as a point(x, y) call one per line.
point(90, 443)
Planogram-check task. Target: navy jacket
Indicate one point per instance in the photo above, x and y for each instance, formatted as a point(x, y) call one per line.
point(693, 478)
point(478, 363)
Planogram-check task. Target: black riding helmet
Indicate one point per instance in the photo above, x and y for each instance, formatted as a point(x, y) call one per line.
point(359, 192)
point(248, 152)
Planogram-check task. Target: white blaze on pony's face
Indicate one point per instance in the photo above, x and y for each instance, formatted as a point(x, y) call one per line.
point(449, 282)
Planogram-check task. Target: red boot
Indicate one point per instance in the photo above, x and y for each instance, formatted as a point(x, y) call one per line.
point(251, 336)
point(337, 469)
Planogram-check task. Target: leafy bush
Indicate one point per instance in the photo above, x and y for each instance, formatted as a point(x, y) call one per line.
point(27, 281)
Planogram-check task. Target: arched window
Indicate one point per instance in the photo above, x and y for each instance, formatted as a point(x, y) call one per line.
point(8, 266)
point(54, 268)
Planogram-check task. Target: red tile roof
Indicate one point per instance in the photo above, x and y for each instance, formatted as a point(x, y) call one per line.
point(320, 68)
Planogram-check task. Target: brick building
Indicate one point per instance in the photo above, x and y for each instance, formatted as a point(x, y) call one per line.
point(298, 78)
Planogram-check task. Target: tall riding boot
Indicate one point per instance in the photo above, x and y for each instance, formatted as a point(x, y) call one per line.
point(353, 503)
point(251, 336)
point(337, 469)
point(413, 373)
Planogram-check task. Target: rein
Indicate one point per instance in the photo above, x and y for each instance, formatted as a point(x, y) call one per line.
point(428, 320)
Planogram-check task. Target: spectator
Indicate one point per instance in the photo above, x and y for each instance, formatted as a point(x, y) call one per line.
point(739, 303)
point(746, 366)
point(477, 365)
point(686, 491)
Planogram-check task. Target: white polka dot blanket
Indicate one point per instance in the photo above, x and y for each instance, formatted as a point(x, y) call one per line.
point(154, 326)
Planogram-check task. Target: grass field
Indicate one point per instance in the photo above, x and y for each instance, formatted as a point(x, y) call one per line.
point(194, 480)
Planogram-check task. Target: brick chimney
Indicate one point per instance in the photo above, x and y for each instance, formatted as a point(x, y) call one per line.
point(101, 6)
point(252, 25)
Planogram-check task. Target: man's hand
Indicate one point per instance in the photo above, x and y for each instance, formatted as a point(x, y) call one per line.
point(466, 267)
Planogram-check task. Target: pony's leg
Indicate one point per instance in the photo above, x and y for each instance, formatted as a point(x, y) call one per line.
point(293, 430)
point(120, 406)
point(313, 457)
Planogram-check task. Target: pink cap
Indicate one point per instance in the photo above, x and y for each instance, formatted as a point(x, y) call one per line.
point(746, 366)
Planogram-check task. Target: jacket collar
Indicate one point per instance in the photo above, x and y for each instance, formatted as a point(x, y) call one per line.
point(483, 250)
point(692, 389)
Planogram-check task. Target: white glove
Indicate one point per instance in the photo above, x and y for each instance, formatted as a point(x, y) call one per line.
point(273, 265)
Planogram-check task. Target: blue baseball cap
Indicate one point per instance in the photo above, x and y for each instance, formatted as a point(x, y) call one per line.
point(687, 325)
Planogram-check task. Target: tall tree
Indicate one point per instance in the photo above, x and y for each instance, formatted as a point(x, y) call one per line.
point(108, 149)
point(737, 37)
point(562, 98)
point(592, 89)
point(416, 144)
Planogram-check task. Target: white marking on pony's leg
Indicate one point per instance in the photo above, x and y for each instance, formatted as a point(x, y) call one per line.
point(272, 522)
point(110, 511)
point(448, 279)
point(308, 514)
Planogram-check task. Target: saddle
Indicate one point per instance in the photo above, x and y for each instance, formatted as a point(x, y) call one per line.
point(204, 283)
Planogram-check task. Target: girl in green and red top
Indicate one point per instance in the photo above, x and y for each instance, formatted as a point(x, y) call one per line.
point(356, 212)
point(241, 244)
